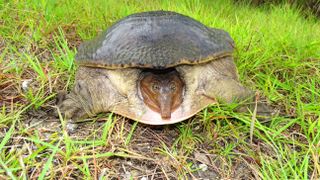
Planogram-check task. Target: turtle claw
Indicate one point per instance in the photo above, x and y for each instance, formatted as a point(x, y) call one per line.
point(265, 110)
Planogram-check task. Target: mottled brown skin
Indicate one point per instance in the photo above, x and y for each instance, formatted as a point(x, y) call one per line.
point(162, 92)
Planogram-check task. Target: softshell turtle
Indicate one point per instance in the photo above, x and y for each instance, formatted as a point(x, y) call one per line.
point(156, 67)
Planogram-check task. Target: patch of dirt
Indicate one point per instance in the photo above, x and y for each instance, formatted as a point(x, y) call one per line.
point(148, 155)
point(9, 91)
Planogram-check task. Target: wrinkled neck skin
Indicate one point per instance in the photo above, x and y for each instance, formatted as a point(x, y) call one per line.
point(162, 91)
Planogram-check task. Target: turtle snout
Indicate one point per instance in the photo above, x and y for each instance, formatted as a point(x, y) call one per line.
point(165, 102)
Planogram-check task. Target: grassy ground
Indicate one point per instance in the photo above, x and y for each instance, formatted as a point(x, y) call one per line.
point(277, 54)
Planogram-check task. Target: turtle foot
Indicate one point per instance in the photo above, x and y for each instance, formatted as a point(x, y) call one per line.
point(69, 106)
point(262, 111)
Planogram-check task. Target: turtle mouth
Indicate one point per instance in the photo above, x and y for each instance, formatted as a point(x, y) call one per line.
point(150, 117)
point(161, 91)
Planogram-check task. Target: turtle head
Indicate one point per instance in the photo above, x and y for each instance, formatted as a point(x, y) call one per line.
point(162, 91)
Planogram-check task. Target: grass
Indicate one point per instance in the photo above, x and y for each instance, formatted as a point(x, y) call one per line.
point(277, 54)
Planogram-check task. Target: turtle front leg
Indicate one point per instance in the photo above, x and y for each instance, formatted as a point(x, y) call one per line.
point(93, 93)
point(229, 90)
point(78, 103)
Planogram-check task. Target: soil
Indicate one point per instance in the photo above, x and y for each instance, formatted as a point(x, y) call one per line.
point(145, 159)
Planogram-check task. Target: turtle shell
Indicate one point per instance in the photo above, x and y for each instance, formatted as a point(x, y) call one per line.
point(157, 39)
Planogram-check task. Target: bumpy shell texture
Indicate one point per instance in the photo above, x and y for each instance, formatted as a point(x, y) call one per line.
point(158, 39)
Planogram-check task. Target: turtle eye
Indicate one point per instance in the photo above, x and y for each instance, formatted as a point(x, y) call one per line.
point(155, 87)
point(173, 87)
